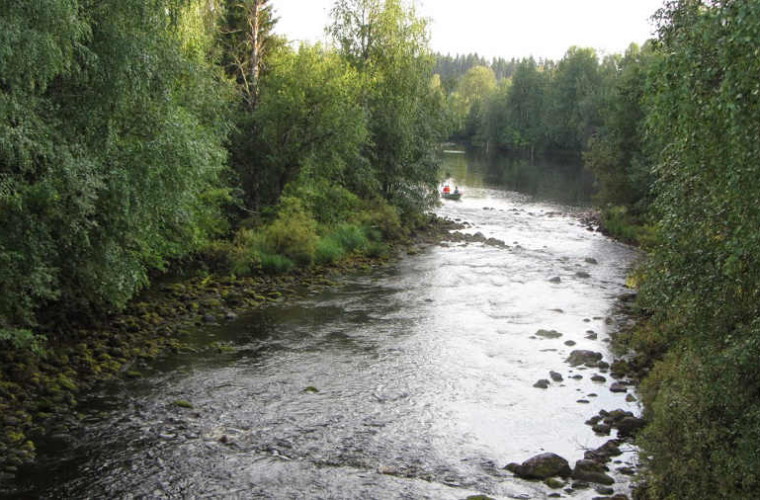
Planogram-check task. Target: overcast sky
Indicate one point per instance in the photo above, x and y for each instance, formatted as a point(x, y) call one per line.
point(505, 28)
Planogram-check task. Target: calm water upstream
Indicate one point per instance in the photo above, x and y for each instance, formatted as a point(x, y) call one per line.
point(424, 370)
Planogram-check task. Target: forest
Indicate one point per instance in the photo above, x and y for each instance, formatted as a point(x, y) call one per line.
point(137, 136)
point(137, 133)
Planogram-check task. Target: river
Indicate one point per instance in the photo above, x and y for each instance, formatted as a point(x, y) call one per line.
point(404, 382)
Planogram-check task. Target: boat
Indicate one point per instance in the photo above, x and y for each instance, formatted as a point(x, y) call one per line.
point(451, 196)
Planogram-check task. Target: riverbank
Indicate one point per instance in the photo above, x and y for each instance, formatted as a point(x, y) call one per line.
point(39, 390)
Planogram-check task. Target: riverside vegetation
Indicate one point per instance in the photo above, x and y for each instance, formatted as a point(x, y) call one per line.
point(147, 137)
point(670, 132)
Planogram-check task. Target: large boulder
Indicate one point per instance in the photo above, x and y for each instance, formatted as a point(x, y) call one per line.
point(591, 471)
point(542, 466)
point(587, 358)
point(629, 426)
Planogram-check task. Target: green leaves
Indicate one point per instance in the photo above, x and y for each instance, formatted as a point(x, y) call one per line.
point(388, 45)
point(107, 145)
point(704, 277)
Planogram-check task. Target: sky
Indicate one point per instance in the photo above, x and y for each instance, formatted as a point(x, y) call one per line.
point(502, 28)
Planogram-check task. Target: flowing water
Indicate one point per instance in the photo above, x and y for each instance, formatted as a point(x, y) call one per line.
point(405, 382)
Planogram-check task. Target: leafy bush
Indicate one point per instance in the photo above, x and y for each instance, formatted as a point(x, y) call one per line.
point(328, 202)
point(350, 237)
point(111, 146)
point(379, 215)
point(246, 252)
point(343, 240)
point(329, 250)
point(293, 233)
point(22, 339)
point(703, 279)
point(625, 227)
point(275, 264)
point(376, 249)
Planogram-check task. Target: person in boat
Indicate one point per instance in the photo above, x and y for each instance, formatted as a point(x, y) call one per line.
point(446, 189)
point(456, 189)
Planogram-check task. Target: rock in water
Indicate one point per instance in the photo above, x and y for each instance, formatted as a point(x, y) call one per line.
point(629, 426)
point(542, 384)
point(542, 466)
point(587, 358)
point(593, 472)
point(548, 334)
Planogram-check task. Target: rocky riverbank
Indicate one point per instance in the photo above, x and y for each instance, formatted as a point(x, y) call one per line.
point(38, 391)
point(627, 369)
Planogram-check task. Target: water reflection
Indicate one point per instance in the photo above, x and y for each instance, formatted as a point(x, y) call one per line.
point(547, 179)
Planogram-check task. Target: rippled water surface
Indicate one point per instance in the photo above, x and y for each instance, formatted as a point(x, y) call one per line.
point(424, 372)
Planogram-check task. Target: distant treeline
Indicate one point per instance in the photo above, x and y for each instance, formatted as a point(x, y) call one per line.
point(453, 68)
point(134, 134)
point(671, 132)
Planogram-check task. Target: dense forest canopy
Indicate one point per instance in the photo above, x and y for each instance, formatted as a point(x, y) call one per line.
point(134, 134)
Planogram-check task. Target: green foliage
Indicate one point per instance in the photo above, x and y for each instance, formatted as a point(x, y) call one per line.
point(311, 123)
point(330, 203)
point(524, 107)
point(110, 145)
point(379, 215)
point(617, 154)
point(244, 254)
point(388, 46)
point(275, 264)
point(350, 237)
point(293, 233)
point(467, 102)
point(329, 250)
point(542, 105)
point(704, 278)
point(574, 96)
point(620, 224)
point(20, 338)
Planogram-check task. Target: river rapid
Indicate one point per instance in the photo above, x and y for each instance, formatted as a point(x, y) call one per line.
point(410, 381)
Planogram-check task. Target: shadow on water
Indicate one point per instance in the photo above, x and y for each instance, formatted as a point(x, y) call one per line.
point(554, 179)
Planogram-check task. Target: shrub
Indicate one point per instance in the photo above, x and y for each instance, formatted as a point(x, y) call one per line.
point(377, 249)
point(328, 202)
point(350, 236)
point(379, 215)
point(622, 225)
point(20, 338)
point(275, 264)
point(328, 251)
point(293, 233)
point(245, 257)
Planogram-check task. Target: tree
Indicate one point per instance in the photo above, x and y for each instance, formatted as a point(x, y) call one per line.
point(525, 104)
point(704, 278)
point(111, 148)
point(388, 45)
point(573, 107)
point(246, 37)
point(617, 154)
point(311, 122)
point(470, 102)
